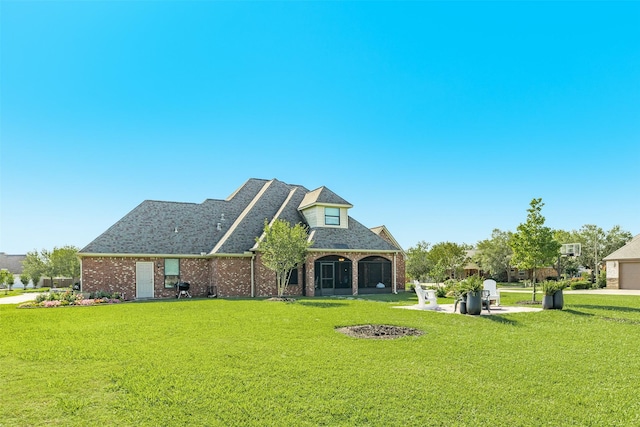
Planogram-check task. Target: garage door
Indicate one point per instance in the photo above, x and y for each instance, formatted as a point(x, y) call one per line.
point(630, 275)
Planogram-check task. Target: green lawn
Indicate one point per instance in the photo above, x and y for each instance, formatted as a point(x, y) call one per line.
point(262, 363)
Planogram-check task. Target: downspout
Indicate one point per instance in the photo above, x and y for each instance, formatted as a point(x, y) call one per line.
point(253, 282)
point(34, 285)
point(395, 278)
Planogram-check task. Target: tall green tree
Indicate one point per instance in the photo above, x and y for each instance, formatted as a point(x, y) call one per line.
point(36, 265)
point(283, 248)
point(418, 265)
point(615, 239)
point(597, 244)
point(64, 262)
point(60, 262)
point(4, 279)
point(451, 256)
point(533, 244)
point(494, 254)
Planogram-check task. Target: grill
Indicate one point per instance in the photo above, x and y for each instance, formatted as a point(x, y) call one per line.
point(182, 290)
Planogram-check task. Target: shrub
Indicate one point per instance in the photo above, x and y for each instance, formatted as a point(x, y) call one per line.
point(601, 282)
point(580, 284)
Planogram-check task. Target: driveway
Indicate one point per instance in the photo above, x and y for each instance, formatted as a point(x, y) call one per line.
point(581, 291)
point(19, 299)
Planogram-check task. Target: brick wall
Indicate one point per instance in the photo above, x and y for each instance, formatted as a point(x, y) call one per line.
point(232, 276)
point(118, 274)
point(266, 281)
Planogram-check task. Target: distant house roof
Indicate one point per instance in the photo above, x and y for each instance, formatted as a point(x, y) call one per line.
point(630, 251)
point(228, 226)
point(13, 263)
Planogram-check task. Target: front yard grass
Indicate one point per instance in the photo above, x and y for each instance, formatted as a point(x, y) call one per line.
point(219, 362)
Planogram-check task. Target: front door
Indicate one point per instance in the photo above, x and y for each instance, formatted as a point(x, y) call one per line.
point(144, 280)
point(327, 281)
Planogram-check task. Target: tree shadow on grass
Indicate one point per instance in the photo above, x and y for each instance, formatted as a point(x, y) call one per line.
point(500, 319)
point(322, 304)
point(578, 313)
point(608, 307)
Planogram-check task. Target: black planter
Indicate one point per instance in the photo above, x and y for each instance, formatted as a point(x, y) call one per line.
point(547, 302)
point(474, 303)
point(463, 307)
point(558, 300)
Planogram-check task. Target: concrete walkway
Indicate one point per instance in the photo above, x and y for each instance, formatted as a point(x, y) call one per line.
point(580, 291)
point(19, 299)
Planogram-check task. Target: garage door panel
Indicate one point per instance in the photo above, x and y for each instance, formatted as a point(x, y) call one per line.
point(630, 275)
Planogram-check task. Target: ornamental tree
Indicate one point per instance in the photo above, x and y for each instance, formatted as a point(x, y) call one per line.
point(283, 248)
point(533, 244)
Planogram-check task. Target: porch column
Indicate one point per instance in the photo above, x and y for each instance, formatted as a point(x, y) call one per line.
point(354, 275)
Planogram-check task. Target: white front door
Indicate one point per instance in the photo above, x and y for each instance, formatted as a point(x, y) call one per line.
point(144, 280)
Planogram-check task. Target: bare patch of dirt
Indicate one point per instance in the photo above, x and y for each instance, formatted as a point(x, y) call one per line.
point(529, 302)
point(282, 299)
point(379, 331)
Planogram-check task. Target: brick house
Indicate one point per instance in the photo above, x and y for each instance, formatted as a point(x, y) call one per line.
point(212, 246)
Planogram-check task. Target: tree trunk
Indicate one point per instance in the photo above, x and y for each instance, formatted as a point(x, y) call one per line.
point(534, 285)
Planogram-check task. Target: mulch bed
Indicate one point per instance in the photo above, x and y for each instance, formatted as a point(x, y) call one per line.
point(380, 332)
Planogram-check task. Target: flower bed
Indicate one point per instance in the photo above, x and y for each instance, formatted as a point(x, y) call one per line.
point(70, 298)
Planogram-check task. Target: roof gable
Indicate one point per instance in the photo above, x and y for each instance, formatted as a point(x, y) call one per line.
point(323, 196)
point(629, 251)
point(355, 237)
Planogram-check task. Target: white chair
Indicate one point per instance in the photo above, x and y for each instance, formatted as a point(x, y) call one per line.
point(425, 295)
point(494, 293)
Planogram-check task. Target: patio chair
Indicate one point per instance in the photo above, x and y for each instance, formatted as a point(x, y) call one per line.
point(494, 293)
point(486, 300)
point(425, 295)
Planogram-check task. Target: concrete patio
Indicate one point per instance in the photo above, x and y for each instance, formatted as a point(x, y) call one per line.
point(448, 308)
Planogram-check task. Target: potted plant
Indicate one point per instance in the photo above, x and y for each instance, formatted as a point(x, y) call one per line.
point(460, 294)
point(558, 298)
point(549, 288)
point(473, 287)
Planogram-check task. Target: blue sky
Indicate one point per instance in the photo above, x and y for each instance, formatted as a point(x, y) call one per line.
point(440, 120)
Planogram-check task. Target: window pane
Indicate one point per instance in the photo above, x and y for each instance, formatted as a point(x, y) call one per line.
point(332, 216)
point(171, 267)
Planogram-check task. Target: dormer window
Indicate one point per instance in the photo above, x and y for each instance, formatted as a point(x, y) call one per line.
point(331, 216)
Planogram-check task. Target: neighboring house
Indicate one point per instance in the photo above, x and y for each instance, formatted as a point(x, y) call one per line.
point(212, 246)
point(471, 268)
point(13, 263)
point(623, 266)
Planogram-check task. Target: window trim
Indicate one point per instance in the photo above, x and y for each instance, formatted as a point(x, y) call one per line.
point(334, 218)
point(177, 277)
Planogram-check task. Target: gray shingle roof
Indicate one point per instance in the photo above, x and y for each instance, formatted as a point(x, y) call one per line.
point(629, 251)
point(227, 226)
point(357, 236)
point(322, 195)
point(13, 263)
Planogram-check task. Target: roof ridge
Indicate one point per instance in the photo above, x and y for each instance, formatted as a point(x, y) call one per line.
point(242, 215)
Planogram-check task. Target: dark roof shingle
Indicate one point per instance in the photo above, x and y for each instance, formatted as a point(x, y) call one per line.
point(228, 226)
